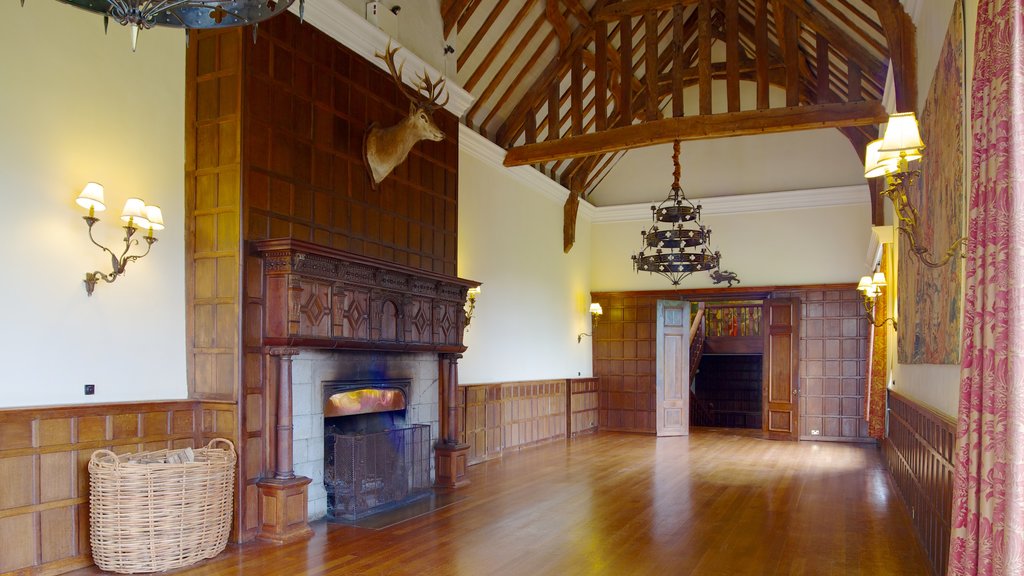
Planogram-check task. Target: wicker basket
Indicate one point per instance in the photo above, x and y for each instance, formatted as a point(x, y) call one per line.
point(148, 517)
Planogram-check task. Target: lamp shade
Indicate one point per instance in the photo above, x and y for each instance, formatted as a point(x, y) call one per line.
point(134, 212)
point(902, 135)
point(864, 284)
point(595, 309)
point(473, 292)
point(879, 279)
point(92, 197)
point(877, 163)
point(155, 217)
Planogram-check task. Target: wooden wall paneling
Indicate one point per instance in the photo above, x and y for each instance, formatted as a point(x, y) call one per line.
point(583, 405)
point(918, 448)
point(833, 365)
point(512, 415)
point(44, 456)
point(624, 356)
point(624, 362)
point(310, 100)
point(213, 210)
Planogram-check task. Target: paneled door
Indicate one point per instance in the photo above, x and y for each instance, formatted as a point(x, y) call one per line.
point(781, 349)
point(673, 373)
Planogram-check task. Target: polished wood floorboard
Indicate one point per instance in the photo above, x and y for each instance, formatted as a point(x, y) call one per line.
point(714, 503)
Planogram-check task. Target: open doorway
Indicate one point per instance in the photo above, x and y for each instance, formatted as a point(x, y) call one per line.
point(728, 380)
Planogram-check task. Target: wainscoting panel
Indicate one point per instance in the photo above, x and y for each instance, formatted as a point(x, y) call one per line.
point(511, 415)
point(44, 474)
point(919, 453)
point(583, 396)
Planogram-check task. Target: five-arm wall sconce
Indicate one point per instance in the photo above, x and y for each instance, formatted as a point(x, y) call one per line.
point(595, 316)
point(890, 156)
point(136, 215)
point(871, 287)
point(471, 295)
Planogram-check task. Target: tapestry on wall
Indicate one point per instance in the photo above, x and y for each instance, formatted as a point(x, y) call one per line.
point(929, 298)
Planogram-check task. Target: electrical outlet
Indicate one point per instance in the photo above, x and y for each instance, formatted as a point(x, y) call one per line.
point(815, 432)
point(90, 389)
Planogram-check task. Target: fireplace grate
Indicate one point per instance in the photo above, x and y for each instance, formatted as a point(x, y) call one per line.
point(368, 473)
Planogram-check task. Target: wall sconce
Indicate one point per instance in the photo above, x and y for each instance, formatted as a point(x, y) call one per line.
point(871, 288)
point(471, 295)
point(136, 214)
point(890, 156)
point(595, 316)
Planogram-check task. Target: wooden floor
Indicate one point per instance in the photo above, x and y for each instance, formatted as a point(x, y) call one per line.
point(713, 503)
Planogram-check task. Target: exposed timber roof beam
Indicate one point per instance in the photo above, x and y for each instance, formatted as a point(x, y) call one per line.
point(747, 122)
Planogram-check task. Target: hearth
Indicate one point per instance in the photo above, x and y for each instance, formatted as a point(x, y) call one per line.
point(373, 460)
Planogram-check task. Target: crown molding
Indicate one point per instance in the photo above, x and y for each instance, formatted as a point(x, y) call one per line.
point(488, 152)
point(744, 203)
point(354, 32)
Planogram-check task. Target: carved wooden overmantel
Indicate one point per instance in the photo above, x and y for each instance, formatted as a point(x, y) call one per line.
point(318, 297)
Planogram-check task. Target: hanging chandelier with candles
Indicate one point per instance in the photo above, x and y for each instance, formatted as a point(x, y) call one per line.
point(145, 14)
point(677, 244)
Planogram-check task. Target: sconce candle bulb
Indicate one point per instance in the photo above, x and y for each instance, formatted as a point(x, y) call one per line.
point(471, 295)
point(871, 288)
point(595, 316)
point(135, 215)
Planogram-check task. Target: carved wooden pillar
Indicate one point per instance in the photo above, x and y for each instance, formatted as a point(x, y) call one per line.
point(452, 456)
point(283, 457)
point(284, 497)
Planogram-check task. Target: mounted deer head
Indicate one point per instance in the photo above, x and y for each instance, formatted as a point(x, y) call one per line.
point(385, 148)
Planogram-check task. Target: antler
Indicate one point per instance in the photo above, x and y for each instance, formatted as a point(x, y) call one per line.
point(396, 74)
point(432, 90)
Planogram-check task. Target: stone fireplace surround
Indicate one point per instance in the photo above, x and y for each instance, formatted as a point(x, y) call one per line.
point(311, 368)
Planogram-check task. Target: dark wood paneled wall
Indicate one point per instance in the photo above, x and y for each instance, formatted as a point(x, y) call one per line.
point(624, 360)
point(308, 103)
point(512, 415)
point(274, 132)
point(832, 356)
point(44, 477)
point(833, 364)
point(919, 449)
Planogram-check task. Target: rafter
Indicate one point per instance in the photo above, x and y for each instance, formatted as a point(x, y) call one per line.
point(899, 34)
point(637, 8)
point(743, 123)
point(836, 35)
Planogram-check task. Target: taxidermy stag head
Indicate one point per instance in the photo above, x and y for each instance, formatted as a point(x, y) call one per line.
point(385, 148)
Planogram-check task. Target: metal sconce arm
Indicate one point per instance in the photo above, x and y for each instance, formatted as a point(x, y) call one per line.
point(907, 215)
point(118, 263)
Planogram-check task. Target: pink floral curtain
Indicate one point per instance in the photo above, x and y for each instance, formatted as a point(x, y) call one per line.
point(988, 495)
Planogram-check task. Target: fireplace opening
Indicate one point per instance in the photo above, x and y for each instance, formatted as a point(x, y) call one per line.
point(373, 459)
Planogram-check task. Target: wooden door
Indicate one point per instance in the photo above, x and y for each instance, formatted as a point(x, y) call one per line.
point(673, 373)
point(781, 349)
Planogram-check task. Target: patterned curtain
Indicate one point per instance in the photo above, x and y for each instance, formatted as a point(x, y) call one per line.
point(878, 353)
point(988, 494)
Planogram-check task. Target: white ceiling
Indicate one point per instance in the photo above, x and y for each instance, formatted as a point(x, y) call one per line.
point(732, 166)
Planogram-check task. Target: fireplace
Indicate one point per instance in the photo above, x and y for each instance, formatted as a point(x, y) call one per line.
point(373, 460)
point(332, 316)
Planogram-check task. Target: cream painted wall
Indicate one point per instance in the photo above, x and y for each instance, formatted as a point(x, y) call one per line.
point(782, 247)
point(534, 298)
point(77, 106)
point(936, 385)
point(419, 28)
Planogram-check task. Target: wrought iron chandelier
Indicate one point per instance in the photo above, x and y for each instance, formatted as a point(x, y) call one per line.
point(188, 14)
point(681, 248)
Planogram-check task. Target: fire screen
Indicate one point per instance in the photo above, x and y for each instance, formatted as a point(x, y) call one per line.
point(367, 473)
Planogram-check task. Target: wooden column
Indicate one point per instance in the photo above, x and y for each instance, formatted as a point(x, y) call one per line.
point(284, 497)
point(452, 457)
